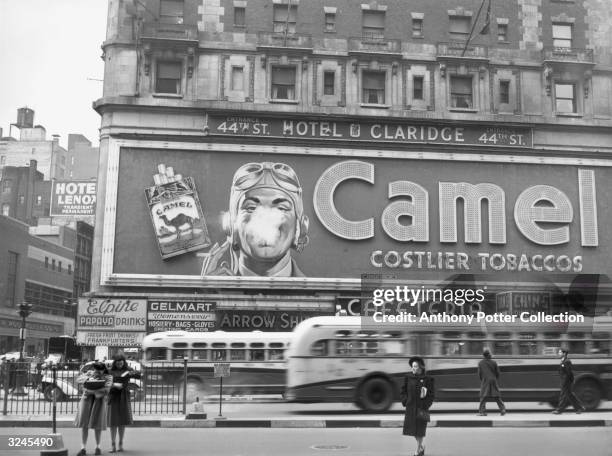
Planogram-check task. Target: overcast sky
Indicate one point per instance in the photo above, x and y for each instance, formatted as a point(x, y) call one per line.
point(48, 50)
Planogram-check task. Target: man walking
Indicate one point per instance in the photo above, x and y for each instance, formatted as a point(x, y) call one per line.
point(566, 395)
point(488, 372)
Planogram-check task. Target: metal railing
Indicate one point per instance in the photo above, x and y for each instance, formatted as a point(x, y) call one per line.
point(24, 390)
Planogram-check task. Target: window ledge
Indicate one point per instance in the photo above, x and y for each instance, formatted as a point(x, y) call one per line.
point(569, 114)
point(281, 101)
point(418, 37)
point(167, 95)
point(463, 110)
point(375, 106)
point(330, 31)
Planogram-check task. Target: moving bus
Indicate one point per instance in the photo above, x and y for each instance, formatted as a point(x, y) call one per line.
point(257, 361)
point(336, 359)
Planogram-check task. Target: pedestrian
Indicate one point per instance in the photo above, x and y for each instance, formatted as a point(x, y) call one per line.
point(566, 395)
point(92, 412)
point(120, 410)
point(488, 372)
point(417, 395)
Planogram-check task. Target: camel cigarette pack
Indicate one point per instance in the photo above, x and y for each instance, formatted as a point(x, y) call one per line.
point(176, 213)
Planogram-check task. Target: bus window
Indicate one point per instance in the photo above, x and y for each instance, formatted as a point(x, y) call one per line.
point(390, 347)
point(257, 354)
point(157, 354)
point(364, 333)
point(342, 347)
point(199, 345)
point(527, 344)
point(276, 354)
point(179, 345)
point(600, 344)
point(276, 345)
point(179, 354)
point(452, 347)
point(502, 347)
point(551, 344)
point(356, 348)
point(371, 347)
point(319, 348)
point(577, 346)
point(237, 355)
point(475, 347)
point(219, 355)
point(199, 355)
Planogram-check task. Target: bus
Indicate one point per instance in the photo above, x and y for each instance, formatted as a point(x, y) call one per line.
point(337, 359)
point(257, 362)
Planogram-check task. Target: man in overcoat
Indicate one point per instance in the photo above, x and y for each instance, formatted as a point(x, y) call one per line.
point(488, 372)
point(566, 395)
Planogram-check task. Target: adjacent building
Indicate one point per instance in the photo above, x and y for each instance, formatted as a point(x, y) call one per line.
point(439, 141)
point(24, 194)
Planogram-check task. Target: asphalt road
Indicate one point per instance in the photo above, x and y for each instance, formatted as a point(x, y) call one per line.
point(345, 442)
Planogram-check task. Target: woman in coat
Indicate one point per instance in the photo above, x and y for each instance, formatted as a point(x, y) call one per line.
point(120, 410)
point(417, 395)
point(92, 407)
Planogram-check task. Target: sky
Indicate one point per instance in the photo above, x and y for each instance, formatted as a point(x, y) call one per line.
point(48, 50)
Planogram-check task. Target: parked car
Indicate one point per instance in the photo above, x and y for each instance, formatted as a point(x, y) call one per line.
point(67, 388)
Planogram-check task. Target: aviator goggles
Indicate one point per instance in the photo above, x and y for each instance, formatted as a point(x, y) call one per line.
point(251, 174)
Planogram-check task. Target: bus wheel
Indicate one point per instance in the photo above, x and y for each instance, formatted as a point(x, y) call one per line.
point(375, 395)
point(589, 393)
point(51, 391)
point(195, 388)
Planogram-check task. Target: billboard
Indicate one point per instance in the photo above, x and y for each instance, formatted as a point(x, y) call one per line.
point(112, 314)
point(322, 215)
point(110, 338)
point(183, 315)
point(73, 198)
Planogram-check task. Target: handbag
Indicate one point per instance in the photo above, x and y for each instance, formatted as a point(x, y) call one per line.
point(423, 415)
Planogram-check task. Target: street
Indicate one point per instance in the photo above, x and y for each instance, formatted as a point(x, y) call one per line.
point(345, 442)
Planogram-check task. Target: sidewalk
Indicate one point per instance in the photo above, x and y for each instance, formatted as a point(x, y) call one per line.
point(461, 420)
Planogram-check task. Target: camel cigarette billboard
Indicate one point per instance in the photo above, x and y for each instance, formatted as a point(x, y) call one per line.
point(290, 216)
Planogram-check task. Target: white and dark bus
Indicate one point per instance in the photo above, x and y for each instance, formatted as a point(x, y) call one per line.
point(257, 361)
point(337, 359)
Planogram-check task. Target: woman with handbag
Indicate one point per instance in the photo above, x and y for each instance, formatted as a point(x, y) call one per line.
point(417, 395)
point(120, 410)
point(92, 407)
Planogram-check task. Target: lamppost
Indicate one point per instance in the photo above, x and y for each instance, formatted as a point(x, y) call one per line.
point(25, 309)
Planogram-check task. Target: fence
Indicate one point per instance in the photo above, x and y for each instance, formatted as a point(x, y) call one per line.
point(26, 390)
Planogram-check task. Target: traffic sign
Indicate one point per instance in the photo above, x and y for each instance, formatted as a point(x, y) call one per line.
point(222, 370)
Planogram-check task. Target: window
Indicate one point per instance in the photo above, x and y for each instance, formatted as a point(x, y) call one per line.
point(283, 83)
point(47, 262)
point(239, 16)
point(171, 11)
point(21, 199)
point(459, 28)
point(417, 88)
point(11, 279)
point(237, 78)
point(156, 354)
point(504, 92)
point(53, 264)
point(373, 25)
point(59, 266)
point(319, 348)
point(417, 27)
point(330, 22)
point(69, 269)
point(565, 97)
point(527, 344)
point(72, 160)
point(7, 187)
point(6, 209)
point(502, 32)
point(373, 83)
point(329, 79)
point(275, 354)
point(284, 18)
point(461, 92)
point(562, 35)
point(168, 77)
point(38, 200)
point(2, 159)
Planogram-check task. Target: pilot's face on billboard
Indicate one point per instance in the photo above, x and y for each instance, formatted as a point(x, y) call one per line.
point(266, 224)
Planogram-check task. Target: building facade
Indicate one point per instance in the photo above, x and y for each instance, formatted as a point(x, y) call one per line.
point(24, 193)
point(41, 273)
point(388, 127)
point(83, 157)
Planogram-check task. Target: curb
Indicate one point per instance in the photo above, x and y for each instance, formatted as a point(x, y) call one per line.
point(332, 423)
